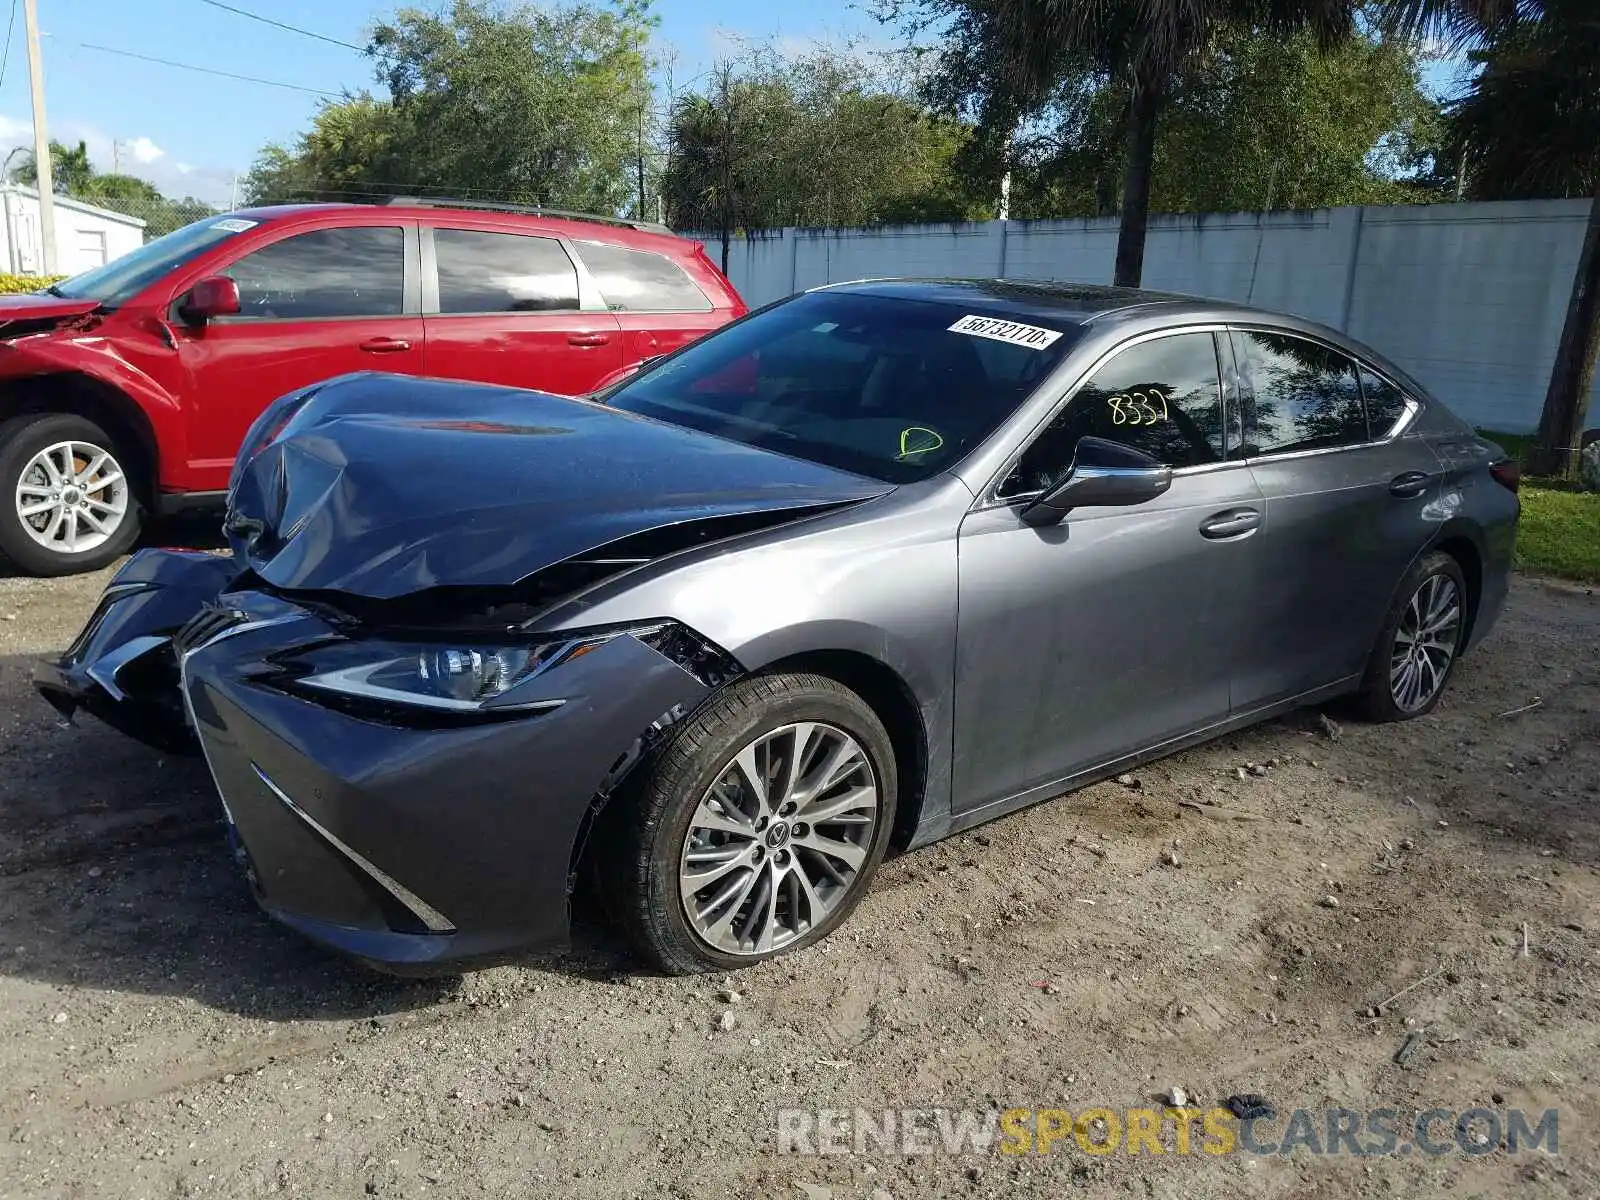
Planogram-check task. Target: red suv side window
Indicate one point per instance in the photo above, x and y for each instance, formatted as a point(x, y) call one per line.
point(481, 272)
point(355, 272)
point(639, 281)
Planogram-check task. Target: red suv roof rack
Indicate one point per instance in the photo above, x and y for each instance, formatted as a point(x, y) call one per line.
point(532, 209)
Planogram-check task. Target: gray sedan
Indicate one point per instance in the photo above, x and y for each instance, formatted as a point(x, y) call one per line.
point(877, 563)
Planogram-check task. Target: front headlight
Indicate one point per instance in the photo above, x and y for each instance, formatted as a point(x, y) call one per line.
point(458, 678)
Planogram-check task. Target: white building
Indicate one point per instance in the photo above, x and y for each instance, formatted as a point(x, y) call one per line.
point(86, 236)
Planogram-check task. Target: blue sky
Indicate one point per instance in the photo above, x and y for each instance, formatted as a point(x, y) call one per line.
point(191, 133)
point(188, 132)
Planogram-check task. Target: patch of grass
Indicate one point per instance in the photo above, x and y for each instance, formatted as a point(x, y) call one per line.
point(1516, 445)
point(1560, 533)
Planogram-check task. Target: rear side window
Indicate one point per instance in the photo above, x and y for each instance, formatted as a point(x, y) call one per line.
point(1303, 395)
point(640, 281)
point(1386, 404)
point(503, 272)
point(354, 272)
point(1159, 397)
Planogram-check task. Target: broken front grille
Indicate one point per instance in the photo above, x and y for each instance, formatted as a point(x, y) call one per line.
point(204, 626)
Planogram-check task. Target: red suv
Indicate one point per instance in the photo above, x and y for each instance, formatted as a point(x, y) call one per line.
point(129, 388)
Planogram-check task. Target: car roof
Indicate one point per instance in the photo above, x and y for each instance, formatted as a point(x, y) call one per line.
point(1134, 310)
point(576, 227)
point(1018, 298)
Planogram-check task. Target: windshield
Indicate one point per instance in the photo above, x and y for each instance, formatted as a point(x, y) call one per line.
point(881, 386)
point(121, 279)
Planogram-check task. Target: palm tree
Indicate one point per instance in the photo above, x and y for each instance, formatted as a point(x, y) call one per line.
point(1530, 126)
point(1141, 47)
point(71, 169)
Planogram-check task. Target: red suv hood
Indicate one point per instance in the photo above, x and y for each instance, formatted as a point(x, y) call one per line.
point(33, 306)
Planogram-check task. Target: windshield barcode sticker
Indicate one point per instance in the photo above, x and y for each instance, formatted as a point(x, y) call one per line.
point(1014, 332)
point(234, 224)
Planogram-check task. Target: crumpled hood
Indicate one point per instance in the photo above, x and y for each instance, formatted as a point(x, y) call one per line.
point(382, 485)
point(35, 307)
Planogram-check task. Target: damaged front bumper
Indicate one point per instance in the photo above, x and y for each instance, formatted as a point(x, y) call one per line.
point(121, 668)
point(410, 841)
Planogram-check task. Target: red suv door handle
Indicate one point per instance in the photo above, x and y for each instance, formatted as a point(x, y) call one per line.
point(588, 339)
point(385, 345)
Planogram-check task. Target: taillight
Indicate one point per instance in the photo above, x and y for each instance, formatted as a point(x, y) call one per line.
point(1506, 473)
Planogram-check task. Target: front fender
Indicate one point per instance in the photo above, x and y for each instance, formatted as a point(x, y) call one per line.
point(96, 359)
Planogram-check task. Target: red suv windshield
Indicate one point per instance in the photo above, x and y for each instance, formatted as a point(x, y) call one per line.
point(123, 278)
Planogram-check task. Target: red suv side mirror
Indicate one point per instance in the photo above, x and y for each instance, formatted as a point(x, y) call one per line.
point(213, 296)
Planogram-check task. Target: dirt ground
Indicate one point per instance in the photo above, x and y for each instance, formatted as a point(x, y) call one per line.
point(160, 1038)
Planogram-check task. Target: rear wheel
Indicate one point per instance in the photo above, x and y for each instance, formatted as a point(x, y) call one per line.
point(758, 829)
point(66, 498)
point(1419, 644)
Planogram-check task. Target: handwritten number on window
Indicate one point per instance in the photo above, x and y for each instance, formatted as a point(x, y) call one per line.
point(1139, 408)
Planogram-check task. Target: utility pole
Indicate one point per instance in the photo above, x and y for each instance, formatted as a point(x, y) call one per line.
point(116, 156)
point(642, 215)
point(41, 140)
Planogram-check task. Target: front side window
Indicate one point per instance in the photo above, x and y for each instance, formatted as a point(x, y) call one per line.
point(354, 272)
point(503, 272)
point(878, 385)
point(640, 281)
point(1159, 397)
point(1301, 395)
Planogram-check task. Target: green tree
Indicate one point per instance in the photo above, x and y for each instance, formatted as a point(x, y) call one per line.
point(1529, 125)
point(1254, 122)
point(76, 177)
point(824, 138)
point(1022, 52)
point(531, 104)
point(69, 168)
point(522, 104)
point(354, 150)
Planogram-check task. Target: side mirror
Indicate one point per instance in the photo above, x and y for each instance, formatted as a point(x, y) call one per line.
point(213, 296)
point(1103, 474)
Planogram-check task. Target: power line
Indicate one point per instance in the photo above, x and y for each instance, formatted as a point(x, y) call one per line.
point(167, 62)
point(279, 24)
point(11, 25)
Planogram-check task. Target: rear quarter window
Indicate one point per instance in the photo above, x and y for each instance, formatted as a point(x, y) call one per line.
point(1386, 403)
point(640, 280)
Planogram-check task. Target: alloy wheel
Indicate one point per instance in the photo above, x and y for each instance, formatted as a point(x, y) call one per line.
point(1425, 643)
point(778, 840)
point(72, 497)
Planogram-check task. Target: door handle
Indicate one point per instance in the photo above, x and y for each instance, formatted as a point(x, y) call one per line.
point(385, 345)
point(1409, 484)
point(588, 339)
point(1230, 524)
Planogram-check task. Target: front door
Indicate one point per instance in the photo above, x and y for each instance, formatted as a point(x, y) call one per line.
point(1116, 630)
point(506, 310)
point(311, 306)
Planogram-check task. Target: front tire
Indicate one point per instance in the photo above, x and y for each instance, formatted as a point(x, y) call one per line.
point(758, 828)
point(67, 502)
point(1419, 644)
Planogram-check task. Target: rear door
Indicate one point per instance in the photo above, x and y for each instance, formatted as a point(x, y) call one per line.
point(657, 304)
point(312, 305)
point(1347, 510)
point(507, 308)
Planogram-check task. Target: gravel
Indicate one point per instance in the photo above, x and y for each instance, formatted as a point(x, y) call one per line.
point(201, 1050)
